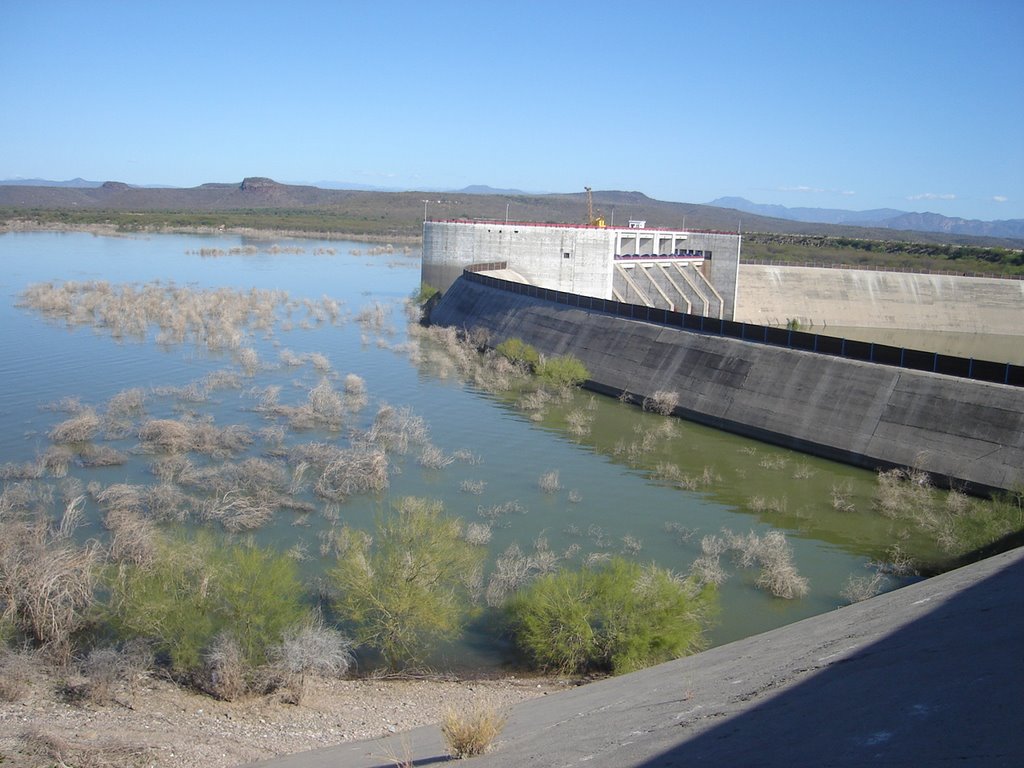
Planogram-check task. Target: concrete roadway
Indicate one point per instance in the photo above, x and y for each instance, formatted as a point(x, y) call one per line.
point(928, 675)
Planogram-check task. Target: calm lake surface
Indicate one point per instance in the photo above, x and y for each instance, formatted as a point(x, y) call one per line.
point(609, 500)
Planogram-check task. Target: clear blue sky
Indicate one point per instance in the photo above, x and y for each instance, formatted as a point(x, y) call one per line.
point(828, 103)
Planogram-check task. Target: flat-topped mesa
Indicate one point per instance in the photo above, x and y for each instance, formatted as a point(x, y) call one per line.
point(258, 182)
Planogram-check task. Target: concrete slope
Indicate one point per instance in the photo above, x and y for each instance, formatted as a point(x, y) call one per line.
point(875, 416)
point(929, 675)
point(865, 298)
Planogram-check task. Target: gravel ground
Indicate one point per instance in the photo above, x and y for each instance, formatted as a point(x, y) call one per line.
point(160, 724)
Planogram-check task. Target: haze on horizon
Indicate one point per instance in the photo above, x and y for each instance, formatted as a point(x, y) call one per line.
point(916, 105)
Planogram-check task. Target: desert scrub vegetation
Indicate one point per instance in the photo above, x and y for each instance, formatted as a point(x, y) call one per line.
point(214, 608)
point(518, 352)
point(957, 522)
point(613, 617)
point(562, 371)
point(408, 586)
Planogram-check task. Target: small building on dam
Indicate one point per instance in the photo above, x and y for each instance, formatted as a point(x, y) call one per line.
point(680, 270)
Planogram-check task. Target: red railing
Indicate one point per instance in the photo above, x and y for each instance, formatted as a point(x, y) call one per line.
point(502, 223)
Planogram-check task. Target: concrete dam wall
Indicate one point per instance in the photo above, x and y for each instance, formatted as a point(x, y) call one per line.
point(875, 416)
point(771, 295)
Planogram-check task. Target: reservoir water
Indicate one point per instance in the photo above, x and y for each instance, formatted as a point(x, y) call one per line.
point(628, 482)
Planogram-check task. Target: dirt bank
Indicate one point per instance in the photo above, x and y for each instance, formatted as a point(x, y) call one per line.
point(156, 723)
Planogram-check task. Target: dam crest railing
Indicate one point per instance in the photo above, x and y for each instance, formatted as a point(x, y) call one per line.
point(871, 352)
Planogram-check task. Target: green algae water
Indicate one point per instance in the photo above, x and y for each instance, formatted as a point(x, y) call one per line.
point(620, 481)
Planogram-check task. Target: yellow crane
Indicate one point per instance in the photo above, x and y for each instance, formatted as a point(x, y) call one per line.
point(592, 220)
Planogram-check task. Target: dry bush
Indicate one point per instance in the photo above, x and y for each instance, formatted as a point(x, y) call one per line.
point(707, 568)
point(841, 497)
point(327, 405)
point(127, 403)
point(166, 435)
point(903, 493)
point(513, 569)
point(475, 487)
point(477, 533)
point(579, 422)
point(237, 511)
point(359, 469)
point(56, 460)
point(28, 470)
point(289, 359)
point(311, 650)
point(778, 574)
point(225, 671)
point(549, 482)
point(47, 582)
point(468, 734)
point(396, 430)
point(631, 544)
point(132, 537)
point(18, 669)
point(53, 749)
point(858, 588)
point(662, 401)
point(93, 456)
point(249, 359)
point(497, 511)
point(433, 457)
point(80, 428)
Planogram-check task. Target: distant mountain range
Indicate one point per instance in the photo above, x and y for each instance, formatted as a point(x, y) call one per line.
point(403, 211)
point(881, 218)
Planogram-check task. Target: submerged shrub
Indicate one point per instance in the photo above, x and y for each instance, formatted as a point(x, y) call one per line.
point(198, 588)
point(406, 588)
point(563, 371)
point(518, 351)
point(615, 617)
point(663, 401)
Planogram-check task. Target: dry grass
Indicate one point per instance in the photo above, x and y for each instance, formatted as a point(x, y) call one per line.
point(468, 734)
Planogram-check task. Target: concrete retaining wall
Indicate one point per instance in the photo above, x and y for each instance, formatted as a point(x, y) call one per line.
point(864, 414)
point(868, 299)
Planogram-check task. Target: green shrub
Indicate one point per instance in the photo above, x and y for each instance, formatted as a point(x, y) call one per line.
point(198, 588)
point(424, 294)
point(406, 588)
point(563, 371)
point(615, 617)
point(519, 352)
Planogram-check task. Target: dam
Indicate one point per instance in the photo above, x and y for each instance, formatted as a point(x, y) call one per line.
point(556, 288)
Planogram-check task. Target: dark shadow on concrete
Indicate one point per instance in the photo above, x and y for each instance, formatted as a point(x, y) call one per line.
point(946, 689)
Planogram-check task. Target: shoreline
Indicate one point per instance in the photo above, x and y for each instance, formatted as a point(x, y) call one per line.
point(155, 722)
point(109, 230)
